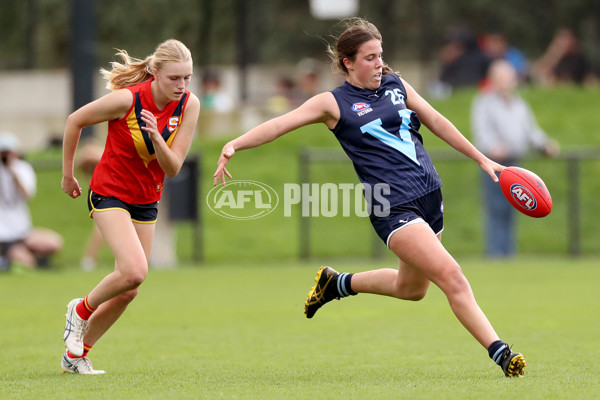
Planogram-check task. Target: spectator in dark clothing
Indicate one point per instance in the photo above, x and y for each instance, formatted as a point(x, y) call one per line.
point(563, 62)
point(463, 62)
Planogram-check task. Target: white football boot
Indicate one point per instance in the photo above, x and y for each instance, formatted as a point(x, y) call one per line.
point(81, 365)
point(75, 329)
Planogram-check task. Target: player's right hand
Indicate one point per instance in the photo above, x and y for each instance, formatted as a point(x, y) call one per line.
point(227, 152)
point(70, 186)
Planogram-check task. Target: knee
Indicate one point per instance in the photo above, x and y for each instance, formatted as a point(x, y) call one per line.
point(21, 254)
point(44, 242)
point(415, 294)
point(127, 297)
point(135, 275)
point(411, 292)
point(135, 278)
point(455, 282)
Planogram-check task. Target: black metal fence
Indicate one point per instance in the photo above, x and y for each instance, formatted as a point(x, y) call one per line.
point(572, 159)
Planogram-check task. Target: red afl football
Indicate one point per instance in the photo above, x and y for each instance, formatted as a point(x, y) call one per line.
point(526, 191)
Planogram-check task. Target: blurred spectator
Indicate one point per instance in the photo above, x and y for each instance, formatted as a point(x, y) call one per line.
point(463, 61)
point(92, 250)
point(496, 47)
point(164, 246)
point(214, 98)
point(88, 158)
point(504, 129)
point(563, 62)
point(284, 99)
point(19, 241)
point(308, 80)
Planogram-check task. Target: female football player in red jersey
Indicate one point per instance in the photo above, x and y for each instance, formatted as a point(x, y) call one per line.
point(375, 115)
point(151, 120)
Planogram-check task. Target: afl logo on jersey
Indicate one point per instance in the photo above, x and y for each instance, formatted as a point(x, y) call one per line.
point(173, 124)
point(361, 108)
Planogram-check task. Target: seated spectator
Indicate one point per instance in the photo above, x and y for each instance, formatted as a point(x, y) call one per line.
point(463, 61)
point(563, 62)
point(20, 242)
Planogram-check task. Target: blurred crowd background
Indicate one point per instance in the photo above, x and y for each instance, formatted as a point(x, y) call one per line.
point(265, 56)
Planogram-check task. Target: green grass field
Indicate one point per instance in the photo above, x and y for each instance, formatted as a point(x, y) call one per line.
point(225, 331)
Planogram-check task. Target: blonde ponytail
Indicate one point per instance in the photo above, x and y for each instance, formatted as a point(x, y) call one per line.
point(131, 72)
point(134, 71)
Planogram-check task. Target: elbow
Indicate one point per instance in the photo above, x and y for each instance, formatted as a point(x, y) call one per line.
point(173, 173)
point(72, 119)
point(173, 169)
point(74, 123)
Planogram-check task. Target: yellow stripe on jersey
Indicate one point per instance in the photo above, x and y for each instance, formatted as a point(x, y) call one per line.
point(172, 135)
point(138, 138)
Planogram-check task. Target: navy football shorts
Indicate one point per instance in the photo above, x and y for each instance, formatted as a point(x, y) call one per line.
point(428, 209)
point(141, 213)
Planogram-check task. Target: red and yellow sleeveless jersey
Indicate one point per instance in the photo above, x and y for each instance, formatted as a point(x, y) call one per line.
point(128, 169)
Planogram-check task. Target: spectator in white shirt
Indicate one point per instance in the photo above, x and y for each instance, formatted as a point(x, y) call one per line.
point(505, 130)
point(20, 242)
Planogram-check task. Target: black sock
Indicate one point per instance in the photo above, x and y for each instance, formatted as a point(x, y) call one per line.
point(496, 350)
point(344, 288)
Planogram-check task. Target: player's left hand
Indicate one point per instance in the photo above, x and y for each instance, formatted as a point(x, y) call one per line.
point(491, 167)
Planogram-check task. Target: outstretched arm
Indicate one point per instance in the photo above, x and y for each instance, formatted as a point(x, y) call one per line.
point(320, 108)
point(445, 130)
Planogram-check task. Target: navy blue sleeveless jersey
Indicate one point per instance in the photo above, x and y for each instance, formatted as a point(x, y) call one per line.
point(381, 137)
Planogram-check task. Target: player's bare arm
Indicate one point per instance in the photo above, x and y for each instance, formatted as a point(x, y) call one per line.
point(111, 106)
point(321, 108)
point(171, 159)
point(445, 130)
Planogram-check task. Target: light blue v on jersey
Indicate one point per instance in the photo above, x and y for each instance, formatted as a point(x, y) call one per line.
point(381, 137)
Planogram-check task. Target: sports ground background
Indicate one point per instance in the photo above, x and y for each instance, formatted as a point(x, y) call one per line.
point(231, 326)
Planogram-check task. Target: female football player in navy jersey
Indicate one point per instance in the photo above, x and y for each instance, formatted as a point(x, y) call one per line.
point(376, 115)
point(151, 120)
